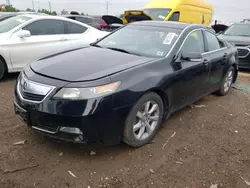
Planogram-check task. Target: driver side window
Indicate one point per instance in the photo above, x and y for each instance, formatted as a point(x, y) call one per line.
point(194, 43)
point(212, 41)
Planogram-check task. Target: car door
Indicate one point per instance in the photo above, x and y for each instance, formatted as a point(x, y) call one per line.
point(47, 36)
point(79, 35)
point(217, 55)
point(191, 76)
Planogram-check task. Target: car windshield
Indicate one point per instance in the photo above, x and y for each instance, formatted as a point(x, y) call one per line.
point(157, 13)
point(141, 40)
point(10, 23)
point(238, 30)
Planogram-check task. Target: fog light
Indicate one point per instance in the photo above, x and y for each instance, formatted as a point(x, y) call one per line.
point(71, 130)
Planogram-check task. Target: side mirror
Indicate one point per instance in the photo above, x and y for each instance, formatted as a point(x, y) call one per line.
point(24, 33)
point(191, 56)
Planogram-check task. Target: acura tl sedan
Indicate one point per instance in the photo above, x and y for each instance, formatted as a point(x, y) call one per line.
point(28, 37)
point(123, 86)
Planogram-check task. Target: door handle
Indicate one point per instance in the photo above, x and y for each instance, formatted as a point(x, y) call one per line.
point(224, 58)
point(205, 62)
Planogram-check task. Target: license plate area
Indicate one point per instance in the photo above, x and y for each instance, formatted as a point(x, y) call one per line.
point(21, 113)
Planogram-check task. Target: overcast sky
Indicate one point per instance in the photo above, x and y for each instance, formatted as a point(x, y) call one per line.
point(224, 10)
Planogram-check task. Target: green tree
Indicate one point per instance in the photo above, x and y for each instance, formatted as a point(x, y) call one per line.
point(64, 12)
point(54, 13)
point(47, 12)
point(30, 10)
point(82, 13)
point(9, 8)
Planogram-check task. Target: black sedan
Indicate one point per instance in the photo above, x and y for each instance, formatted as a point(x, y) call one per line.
point(122, 87)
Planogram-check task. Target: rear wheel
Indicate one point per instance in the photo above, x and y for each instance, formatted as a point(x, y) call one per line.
point(227, 82)
point(143, 120)
point(2, 69)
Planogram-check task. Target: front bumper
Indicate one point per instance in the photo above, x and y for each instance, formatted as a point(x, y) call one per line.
point(93, 121)
point(244, 57)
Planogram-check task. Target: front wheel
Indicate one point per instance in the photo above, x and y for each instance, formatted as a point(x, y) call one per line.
point(227, 82)
point(143, 120)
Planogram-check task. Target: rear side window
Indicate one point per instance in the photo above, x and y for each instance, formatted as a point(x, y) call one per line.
point(194, 43)
point(99, 20)
point(175, 16)
point(73, 28)
point(45, 27)
point(212, 41)
point(84, 20)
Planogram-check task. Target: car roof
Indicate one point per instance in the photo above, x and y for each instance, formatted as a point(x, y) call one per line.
point(172, 24)
point(241, 23)
point(72, 15)
point(44, 16)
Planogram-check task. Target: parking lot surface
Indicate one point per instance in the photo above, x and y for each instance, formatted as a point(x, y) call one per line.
point(202, 145)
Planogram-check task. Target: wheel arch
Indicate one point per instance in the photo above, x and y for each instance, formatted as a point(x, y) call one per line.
point(164, 97)
point(235, 72)
point(4, 62)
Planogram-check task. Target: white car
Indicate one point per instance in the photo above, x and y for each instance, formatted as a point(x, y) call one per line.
point(25, 38)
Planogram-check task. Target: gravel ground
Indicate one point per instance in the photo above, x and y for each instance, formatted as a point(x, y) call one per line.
point(204, 145)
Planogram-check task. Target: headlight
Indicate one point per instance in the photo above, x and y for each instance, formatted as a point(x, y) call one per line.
point(87, 93)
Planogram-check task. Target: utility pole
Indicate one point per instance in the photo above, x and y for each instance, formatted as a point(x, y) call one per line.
point(33, 6)
point(49, 6)
point(107, 6)
point(7, 2)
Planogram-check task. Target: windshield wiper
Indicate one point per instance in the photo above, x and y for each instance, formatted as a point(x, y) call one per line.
point(122, 50)
point(119, 50)
point(96, 45)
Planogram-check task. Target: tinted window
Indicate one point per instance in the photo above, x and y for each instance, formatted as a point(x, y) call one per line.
point(142, 40)
point(10, 23)
point(194, 43)
point(213, 43)
point(84, 20)
point(238, 30)
point(72, 28)
point(99, 20)
point(45, 27)
point(175, 16)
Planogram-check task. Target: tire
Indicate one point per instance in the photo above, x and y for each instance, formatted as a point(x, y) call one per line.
point(149, 122)
point(2, 69)
point(227, 82)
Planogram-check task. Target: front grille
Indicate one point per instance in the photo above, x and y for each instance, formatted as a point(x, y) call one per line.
point(32, 97)
point(243, 52)
point(32, 91)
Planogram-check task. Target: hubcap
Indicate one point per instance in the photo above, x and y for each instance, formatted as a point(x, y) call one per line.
point(146, 120)
point(228, 81)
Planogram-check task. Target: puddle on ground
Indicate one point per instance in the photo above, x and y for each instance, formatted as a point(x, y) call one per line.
point(243, 87)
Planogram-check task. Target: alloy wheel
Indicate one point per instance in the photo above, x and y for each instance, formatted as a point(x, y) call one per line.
point(147, 119)
point(228, 81)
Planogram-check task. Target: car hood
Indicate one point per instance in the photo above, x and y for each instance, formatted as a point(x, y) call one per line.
point(111, 19)
point(86, 64)
point(237, 40)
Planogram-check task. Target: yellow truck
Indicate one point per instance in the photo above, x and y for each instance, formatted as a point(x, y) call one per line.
point(191, 11)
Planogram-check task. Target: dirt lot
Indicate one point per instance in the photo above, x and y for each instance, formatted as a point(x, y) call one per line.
point(210, 145)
